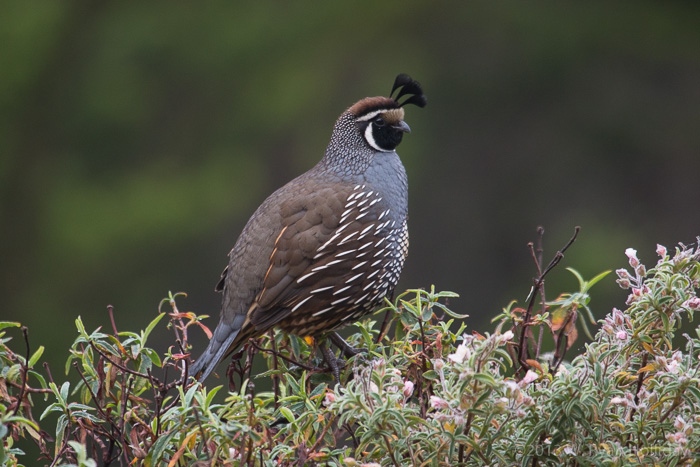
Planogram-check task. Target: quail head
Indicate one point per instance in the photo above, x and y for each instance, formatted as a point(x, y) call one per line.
point(327, 247)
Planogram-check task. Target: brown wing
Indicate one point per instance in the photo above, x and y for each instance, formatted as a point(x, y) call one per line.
point(330, 260)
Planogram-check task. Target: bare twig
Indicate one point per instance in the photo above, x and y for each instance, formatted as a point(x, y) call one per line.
point(25, 371)
point(385, 325)
point(121, 367)
point(538, 290)
point(110, 310)
point(275, 367)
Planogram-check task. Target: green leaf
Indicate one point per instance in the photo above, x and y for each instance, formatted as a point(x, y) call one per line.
point(150, 327)
point(161, 444)
point(485, 378)
point(81, 328)
point(36, 356)
point(598, 278)
point(9, 324)
point(287, 414)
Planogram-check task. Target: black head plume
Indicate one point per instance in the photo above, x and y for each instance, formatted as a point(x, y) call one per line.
point(411, 87)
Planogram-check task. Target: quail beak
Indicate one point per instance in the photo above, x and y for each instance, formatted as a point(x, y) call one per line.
point(402, 126)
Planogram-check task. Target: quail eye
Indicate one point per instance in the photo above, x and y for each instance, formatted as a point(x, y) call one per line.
point(379, 121)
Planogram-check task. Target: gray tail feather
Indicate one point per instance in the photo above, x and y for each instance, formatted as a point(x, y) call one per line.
point(214, 353)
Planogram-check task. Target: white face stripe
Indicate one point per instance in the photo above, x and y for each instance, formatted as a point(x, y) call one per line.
point(370, 115)
point(369, 137)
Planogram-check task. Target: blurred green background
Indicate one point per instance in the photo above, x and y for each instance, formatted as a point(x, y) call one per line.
point(137, 139)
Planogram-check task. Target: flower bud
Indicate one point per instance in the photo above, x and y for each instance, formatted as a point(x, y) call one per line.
point(408, 388)
point(438, 402)
point(661, 250)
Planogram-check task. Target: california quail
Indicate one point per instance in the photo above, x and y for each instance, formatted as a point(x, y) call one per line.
point(327, 247)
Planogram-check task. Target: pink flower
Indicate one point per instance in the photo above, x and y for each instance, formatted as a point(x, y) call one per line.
point(624, 278)
point(438, 402)
point(618, 317)
point(679, 423)
point(692, 303)
point(632, 255)
point(621, 335)
point(408, 388)
point(660, 250)
point(329, 398)
point(530, 376)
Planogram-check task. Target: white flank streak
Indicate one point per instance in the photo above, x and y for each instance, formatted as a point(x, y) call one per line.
point(362, 202)
point(372, 275)
point(320, 312)
point(346, 213)
point(361, 216)
point(373, 264)
point(340, 300)
point(353, 278)
point(340, 229)
point(350, 202)
point(321, 289)
point(393, 224)
point(347, 239)
point(368, 244)
point(336, 235)
point(359, 265)
point(341, 290)
point(365, 230)
point(345, 253)
point(357, 187)
point(375, 201)
point(335, 261)
point(371, 284)
point(305, 276)
point(300, 303)
point(380, 241)
point(362, 298)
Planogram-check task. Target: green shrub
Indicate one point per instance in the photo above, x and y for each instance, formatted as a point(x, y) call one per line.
point(431, 394)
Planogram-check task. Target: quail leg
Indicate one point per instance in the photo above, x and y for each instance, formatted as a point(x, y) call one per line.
point(347, 349)
point(335, 363)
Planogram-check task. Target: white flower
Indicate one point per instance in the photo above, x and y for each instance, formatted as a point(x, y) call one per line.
point(672, 367)
point(632, 255)
point(618, 400)
point(373, 387)
point(506, 336)
point(460, 354)
point(621, 335)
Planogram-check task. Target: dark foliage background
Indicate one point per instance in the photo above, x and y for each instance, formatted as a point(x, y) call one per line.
point(136, 139)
